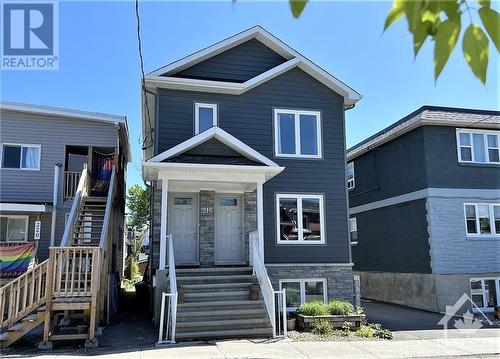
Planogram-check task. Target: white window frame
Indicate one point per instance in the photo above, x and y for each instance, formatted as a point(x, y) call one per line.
point(297, 114)
point(351, 183)
point(495, 231)
point(197, 107)
point(355, 221)
point(26, 218)
point(300, 218)
point(22, 145)
point(483, 290)
point(485, 134)
point(302, 282)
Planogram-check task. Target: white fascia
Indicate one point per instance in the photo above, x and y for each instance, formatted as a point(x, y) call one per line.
point(22, 207)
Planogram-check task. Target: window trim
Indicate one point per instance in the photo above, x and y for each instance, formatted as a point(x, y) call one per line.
point(351, 164)
point(353, 219)
point(299, 198)
point(297, 113)
point(483, 292)
point(26, 218)
point(485, 134)
point(21, 156)
point(302, 288)
point(496, 231)
point(197, 106)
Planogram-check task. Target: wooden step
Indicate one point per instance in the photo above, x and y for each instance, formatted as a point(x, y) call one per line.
point(16, 332)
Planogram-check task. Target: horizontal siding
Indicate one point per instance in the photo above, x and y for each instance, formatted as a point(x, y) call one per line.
point(54, 134)
point(238, 64)
point(249, 117)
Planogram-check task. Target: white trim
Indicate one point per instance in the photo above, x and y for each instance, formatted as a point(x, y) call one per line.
point(27, 220)
point(260, 218)
point(197, 107)
point(483, 292)
point(495, 232)
point(22, 207)
point(163, 224)
point(22, 145)
point(257, 32)
point(353, 227)
point(486, 148)
point(296, 114)
point(302, 286)
point(300, 227)
point(222, 136)
point(351, 183)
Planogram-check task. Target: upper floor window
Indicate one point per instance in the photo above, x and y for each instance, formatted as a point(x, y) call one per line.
point(205, 116)
point(300, 219)
point(482, 219)
point(353, 229)
point(297, 133)
point(14, 228)
point(478, 146)
point(350, 175)
point(25, 157)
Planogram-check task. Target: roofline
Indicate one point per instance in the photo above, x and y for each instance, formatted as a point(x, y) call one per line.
point(268, 39)
point(117, 120)
point(416, 116)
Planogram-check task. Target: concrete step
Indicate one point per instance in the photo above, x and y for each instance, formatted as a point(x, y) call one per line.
point(182, 280)
point(221, 287)
point(226, 333)
point(215, 296)
point(219, 305)
point(201, 326)
point(213, 271)
point(189, 316)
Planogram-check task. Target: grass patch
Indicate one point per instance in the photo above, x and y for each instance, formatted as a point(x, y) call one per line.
point(322, 327)
point(313, 308)
point(335, 307)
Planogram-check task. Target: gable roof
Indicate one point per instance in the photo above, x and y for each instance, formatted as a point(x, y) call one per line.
point(162, 77)
point(222, 136)
point(428, 116)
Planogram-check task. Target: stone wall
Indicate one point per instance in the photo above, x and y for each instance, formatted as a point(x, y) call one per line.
point(339, 279)
point(249, 218)
point(207, 227)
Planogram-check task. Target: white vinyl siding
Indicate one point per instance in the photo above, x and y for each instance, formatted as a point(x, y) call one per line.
point(20, 156)
point(300, 291)
point(14, 228)
point(482, 219)
point(478, 146)
point(205, 116)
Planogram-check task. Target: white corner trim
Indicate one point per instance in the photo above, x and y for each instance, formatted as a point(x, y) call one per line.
point(22, 207)
point(222, 136)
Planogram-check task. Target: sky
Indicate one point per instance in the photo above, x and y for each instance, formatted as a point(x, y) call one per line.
point(99, 62)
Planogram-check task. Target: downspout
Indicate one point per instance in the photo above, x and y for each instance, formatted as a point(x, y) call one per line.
point(54, 205)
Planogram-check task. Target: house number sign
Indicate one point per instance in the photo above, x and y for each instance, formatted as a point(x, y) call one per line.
point(207, 210)
point(38, 227)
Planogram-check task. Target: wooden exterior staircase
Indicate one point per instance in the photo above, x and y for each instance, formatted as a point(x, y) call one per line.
point(67, 293)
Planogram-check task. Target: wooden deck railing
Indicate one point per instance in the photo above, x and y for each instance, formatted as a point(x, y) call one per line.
point(71, 179)
point(24, 294)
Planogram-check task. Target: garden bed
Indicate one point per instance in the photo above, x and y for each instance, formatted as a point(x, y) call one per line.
point(306, 322)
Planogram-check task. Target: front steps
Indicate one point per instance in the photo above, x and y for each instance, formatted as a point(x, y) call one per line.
point(18, 330)
point(214, 304)
point(88, 227)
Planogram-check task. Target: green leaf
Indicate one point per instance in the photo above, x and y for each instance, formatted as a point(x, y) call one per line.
point(419, 36)
point(476, 49)
point(445, 41)
point(297, 6)
point(395, 13)
point(451, 9)
point(413, 11)
point(491, 22)
point(484, 2)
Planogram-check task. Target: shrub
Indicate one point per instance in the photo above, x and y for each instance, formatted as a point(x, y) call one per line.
point(322, 327)
point(365, 332)
point(313, 308)
point(340, 307)
point(346, 328)
point(379, 332)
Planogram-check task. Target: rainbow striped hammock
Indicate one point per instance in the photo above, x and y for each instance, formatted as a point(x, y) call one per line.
point(16, 259)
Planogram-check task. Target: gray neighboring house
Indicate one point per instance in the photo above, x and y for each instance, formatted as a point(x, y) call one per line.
point(39, 144)
point(424, 198)
point(246, 139)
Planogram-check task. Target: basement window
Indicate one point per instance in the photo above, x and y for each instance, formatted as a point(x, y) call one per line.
point(485, 293)
point(300, 291)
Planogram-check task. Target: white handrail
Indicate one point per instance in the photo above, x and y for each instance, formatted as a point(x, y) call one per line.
point(109, 205)
point(81, 191)
point(172, 300)
point(268, 293)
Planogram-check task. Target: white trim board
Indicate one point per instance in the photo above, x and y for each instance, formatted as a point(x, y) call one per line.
point(294, 58)
point(489, 194)
point(22, 207)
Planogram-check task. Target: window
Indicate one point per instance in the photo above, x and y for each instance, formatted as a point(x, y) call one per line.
point(300, 219)
point(485, 293)
point(14, 228)
point(350, 175)
point(205, 116)
point(482, 219)
point(353, 229)
point(477, 146)
point(183, 201)
point(300, 291)
point(25, 157)
point(228, 202)
point(297, 133)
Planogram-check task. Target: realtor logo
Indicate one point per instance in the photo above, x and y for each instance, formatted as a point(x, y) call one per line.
point(30, 35)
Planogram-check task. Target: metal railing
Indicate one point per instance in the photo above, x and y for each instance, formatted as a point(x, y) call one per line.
point(71, 180)
point(169, 326)
point(275, 300)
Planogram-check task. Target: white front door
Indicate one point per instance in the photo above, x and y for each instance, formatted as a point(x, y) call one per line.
point(183, 225)
point(229, 242)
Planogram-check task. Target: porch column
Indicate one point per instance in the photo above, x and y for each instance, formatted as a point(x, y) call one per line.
point(260, 218)
point(163, 224)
